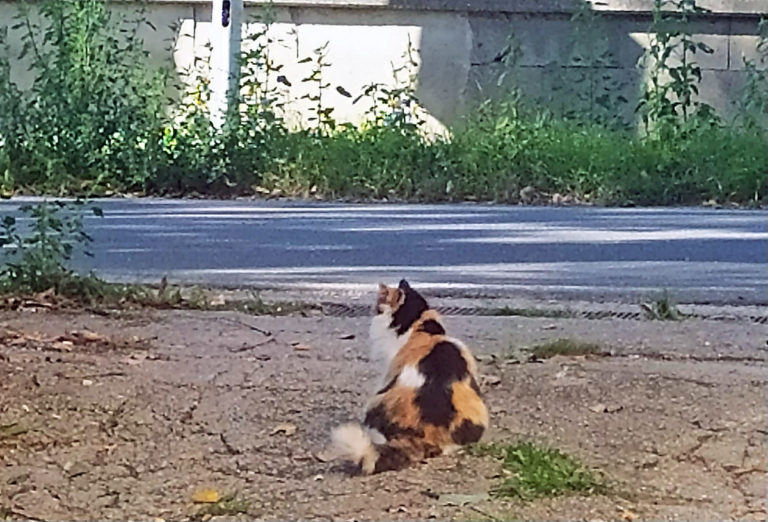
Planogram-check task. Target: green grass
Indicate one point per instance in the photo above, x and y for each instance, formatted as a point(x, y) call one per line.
point(103, 126)
point(567, 348)
point(534, 471)
point(229, 506)
point(663, 308)
point(96, 293)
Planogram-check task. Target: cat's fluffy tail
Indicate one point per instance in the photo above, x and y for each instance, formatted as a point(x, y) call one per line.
point(351, 442)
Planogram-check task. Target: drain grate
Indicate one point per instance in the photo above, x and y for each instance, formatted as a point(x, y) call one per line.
point(353, 310)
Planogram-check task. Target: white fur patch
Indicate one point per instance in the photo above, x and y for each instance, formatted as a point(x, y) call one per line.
point(385, 343)
point(376, 436)
point(411, 377)
point(351, 442)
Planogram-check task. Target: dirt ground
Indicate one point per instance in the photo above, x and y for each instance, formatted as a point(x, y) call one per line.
point(675, 418)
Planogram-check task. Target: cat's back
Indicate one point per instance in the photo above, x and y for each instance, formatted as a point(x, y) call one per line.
point(442, 374)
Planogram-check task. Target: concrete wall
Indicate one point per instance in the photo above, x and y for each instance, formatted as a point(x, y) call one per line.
point(565, 64)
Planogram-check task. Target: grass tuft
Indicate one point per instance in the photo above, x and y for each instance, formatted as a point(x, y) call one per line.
point(532, 312)
point(567, 348)
point(228, 506)
point(534, 471)
point(663, 308)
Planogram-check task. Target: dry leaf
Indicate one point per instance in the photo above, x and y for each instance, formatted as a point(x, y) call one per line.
point(206, 496)
point(285, 427)
point(347, 337)
point(301, 347)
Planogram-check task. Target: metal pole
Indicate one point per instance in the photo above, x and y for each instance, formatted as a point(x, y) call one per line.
point(227, 20)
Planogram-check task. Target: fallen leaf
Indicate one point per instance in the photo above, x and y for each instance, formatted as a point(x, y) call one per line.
point(347, 337)
point(206, 496)
point(462, 500)
point(287, 428)
point(301, 347)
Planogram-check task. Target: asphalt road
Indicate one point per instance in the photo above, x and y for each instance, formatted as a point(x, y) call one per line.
point(700, 255)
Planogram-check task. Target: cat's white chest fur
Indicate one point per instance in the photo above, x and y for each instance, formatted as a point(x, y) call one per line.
point(385, 343)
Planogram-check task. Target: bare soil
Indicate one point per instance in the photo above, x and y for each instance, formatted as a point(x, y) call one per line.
point(176, 401)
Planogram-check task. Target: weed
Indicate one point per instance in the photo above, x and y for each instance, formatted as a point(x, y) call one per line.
point(669, 96)
point(91, 120)
point(662, 308)
point(96, 120)
point(753, 98)
point(535, 471)
point(36, 259)
point(567, 348)
point(165, 296)
point(229, 506)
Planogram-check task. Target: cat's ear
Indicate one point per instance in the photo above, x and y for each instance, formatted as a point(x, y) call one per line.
point(383, 295)
point(400, 297)
point(404, 286)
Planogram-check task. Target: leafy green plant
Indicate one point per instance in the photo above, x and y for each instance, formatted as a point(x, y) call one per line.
point(673, 73)
point(753, 99)
point(36, 259)
point(91, 118)
point(534, 471)
point(320, 113)
point(662, 308)
point(115, 131)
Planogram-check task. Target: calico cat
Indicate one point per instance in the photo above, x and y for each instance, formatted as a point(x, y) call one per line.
point(429, 403)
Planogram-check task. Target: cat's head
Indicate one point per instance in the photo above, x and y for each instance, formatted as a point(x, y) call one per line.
point(402, 303)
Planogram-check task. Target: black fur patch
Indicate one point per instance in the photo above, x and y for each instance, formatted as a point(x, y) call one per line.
point(435, 404)
point(441, 367)
point(391, 459)
point(432, 327)
point(388, 387)
point(444, 364)
point(467, 432)
point(377, 418)
point(411, 309)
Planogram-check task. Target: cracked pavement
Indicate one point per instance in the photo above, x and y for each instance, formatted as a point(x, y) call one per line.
point(674, 418)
